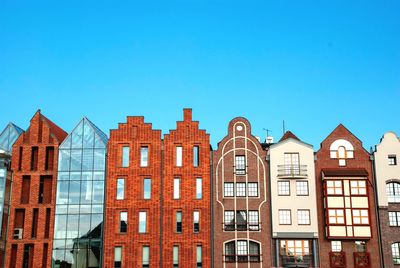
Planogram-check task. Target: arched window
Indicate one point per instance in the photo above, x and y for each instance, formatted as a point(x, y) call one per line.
point(396, 253)
point(254, 251)
point(393, 192)
point(341, 152)
point(230, 255)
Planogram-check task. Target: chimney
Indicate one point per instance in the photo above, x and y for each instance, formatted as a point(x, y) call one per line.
point(187, 114)
point(269, 140)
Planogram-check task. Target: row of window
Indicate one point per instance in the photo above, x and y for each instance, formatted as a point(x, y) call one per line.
point(303, 217)
point(240, 191)
point(49, 158)
point(360, 246)
point(359, 216)
point(123, 222)
point(118, 253)
point(120, 195)
point(242, 220)
point(242, 251)
point(284, 188)
point(335, 187)
point(144, 156)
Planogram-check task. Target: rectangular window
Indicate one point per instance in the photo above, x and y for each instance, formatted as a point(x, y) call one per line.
point(47, 223)
point(292, 164)
point(35, 222)
point(302, 187)
point(336, 246)
point(360, 216)
point(253, 220)
point(240, 165)
point(240, 189)
point(252, 188)
point(358, 187)
point(177, 188)
point(196, 221)
point(26, 189)
point(49, 158)
point(242, 248)
point(21, 151)
point(303, 216)
point(125, 156)
point(229, 220)
point(34, 158)
point(145, 257)
point(120, 188)
point(199, 258)
point(334, 187)
point(336, 216)
point(28, 256)
point(123, 221)
point(175, 256)
point(44, 255)
point(285, 217)
point(117, 257)
point(196, 156)
point(199, 188)
point(46, 183)
point(392, 160)
point(361, 246)
point(147, 188)
point(178, 156)
point(394, 218)
point(283, 188)
point(142, 222)
point(228, 189)
point(144, 156)
point(178, 221)
point(241, 220)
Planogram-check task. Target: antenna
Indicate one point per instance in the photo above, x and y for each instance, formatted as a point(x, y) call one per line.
point(283, 127)
point(268, 130)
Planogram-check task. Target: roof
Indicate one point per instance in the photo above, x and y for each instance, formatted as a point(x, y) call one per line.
point(288, 134)
point(338, 172)
point(56, 130)
point(8, 136)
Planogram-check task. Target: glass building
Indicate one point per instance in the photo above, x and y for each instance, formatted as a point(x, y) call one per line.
point(78, 230)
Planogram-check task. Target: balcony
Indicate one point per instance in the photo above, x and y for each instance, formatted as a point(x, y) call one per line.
point(243, 258)
point(241, 226)
point(292, 171)
point(361, 260)
point(296, 261)
point(337, 259)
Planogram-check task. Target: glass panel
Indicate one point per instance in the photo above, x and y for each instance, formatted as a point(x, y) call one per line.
point(142, 222)
point(179, 156)
point(96, 225)
point(87, 175)
point(87, 159)
point(88, 135)
point(144, 156)
point(176, 188)
point(99, 159)
point(98, 191)
point(86, 192)
point(84, 224)
point(97, 208)
point(147, 188)
point(74, 192)
point(72, 226)
point(199, 189)
point(120, 188)
point(60, 226)
point(64, 159)
point(76, 159)
point(146, 255)
point(62, 192)
point(77, 136)
point(195, 156)
point(98, 176)
point(98, 142)
point(125, 156)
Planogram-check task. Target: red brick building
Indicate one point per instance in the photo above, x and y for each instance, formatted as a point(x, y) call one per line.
point(34, 163)
point(345, 199)
point(132, 206)
point(186, 208)
point(241, 205)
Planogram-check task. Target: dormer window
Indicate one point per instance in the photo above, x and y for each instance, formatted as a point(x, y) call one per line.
point(341, 150)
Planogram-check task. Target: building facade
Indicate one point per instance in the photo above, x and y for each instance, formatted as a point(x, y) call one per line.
point(78, 229)
point(132, 236)
point(186, 207)
point(293, 203)
point(387, 173)
point(241, 208)
point(346, 201)
point(7, 138)
point(34, 165)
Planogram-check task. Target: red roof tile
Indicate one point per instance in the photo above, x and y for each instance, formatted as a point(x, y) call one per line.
point(287, 135)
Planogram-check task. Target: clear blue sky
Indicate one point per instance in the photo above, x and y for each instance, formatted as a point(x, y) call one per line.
point(313, 64)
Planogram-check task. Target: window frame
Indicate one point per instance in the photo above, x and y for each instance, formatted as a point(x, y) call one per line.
point(300, 190)
point(144, 156)
point(240, 165)
point(283, 188)
point(281, 218)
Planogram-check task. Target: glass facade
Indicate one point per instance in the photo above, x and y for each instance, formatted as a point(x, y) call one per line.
point(78, 230)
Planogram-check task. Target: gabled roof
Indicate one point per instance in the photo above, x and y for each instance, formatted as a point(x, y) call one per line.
point(288, 134)
point(8, 136)
point(55, 130)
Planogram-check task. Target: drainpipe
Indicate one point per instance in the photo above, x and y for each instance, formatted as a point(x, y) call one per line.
point(212, 207)
point(161, 201)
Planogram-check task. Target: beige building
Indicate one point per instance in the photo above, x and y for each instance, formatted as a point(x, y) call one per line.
point(293, 203)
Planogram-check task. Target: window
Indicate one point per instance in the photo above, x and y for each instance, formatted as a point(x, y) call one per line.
point(177, 190)
point(253, 220)
point(393, 192)
point(254, 251)
point(26, 189)
point(334, 187)
point(283, 188)
point(292, 163)
point(336, 246)
point(336, 216)
point(144, 156)
point(46, 183)
point(49, 158)
point(196, 155)
point(360, 216)
point(142, 222)
point(358, 187)
point(394, 218)
point(117, 257)
point(120, 188)
point(396, 253)
point(241, 220)
point(392, 160)
point(147, 188)
point(145, 257)
point(196, 221)
point(242, 251)
point(229, 220)
point(297, 248)
point(125, 156)
point(178, 220)
point(302, 187)
point(252, 188)
point(123, 221)
point(230, 255)
point(199, 257)
point(240, 189)
point(361, 246)
point(34, 158)
point(240, 165)
point(228, 189)
point(175, 256)
point(303, 216)
point(178, 156)
point(199, 188)
point(285, 217)
point(35, 222)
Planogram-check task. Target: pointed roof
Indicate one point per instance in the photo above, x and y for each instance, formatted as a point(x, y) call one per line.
point(56, 130)
point(8, 136)
point(288, 134)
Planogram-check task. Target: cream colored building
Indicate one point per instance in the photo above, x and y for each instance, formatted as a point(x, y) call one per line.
point(293, 202)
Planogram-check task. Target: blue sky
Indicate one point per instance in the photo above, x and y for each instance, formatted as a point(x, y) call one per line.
point(314, 64)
